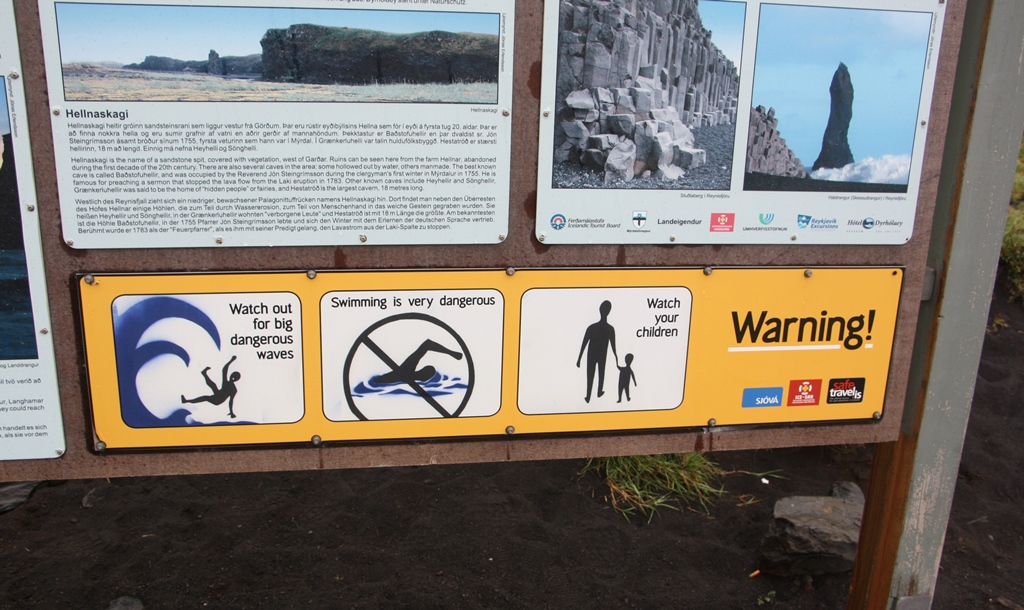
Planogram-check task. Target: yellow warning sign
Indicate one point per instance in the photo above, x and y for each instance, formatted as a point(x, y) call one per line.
point(252, 358)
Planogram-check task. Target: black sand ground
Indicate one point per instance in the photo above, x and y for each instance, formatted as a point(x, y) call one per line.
point(519, 535)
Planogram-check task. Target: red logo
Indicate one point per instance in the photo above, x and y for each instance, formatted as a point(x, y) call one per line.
point(804, 392)
point(722, 222)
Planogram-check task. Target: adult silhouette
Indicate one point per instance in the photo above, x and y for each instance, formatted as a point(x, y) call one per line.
point(599, 336)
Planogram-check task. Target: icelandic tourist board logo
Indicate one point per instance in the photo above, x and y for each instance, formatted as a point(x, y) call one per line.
point(804, 392)
point(558, 222)
point(639, 218)
point(766, 219)
point(845, 390)
point(762, 397)
point(806, 221)
point(722, 222)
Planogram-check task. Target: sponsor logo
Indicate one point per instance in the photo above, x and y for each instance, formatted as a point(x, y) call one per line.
point(723, 222)
point(803, 392)
point(762, 397)
point(639, 219)
point(680, 221)
point(845, 389)
point(558, 222)
point(806, 221)
point(883, 225)
point(766, 221)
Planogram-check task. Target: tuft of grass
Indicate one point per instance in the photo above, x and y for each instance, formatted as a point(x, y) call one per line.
point(644, 483)
point(1012, 254)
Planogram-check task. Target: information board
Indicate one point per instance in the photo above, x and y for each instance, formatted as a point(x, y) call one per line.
point(31, 426)
point(225, 359)
point(727, 122)
point(260, 124)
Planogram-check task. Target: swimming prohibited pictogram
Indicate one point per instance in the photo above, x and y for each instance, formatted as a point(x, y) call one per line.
point(409, 365)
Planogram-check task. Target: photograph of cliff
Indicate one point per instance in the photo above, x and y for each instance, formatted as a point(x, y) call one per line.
point(114, 52)
point(17, 330)
point(836, 99)
point(646, 94)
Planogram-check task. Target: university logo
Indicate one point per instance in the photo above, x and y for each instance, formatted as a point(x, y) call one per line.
point(639, 219)
point(558, 222)
point(766, 219)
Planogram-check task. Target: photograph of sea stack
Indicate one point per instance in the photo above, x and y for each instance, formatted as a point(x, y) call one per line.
point(836, 99)
point(646, 94)
point(120, 52)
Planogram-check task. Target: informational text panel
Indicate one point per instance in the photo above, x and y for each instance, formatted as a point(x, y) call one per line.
point(280, 124)
point(31, 426)
point(255, 358)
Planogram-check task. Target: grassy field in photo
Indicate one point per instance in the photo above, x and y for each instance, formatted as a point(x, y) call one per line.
point(94, 83)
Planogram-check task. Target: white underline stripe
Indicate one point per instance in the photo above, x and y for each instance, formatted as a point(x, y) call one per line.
point(784, 348)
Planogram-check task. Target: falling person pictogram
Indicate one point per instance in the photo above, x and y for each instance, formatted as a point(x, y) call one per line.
point(226, 391)
point(599, 336)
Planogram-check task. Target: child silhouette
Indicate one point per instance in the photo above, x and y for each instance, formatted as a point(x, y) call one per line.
point(625, 374)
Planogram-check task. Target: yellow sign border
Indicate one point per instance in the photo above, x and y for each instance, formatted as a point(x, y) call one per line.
point(714, 380)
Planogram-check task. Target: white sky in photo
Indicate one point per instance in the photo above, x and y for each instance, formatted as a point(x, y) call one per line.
point(725, 21)
point(798, 51)
point(128, 33)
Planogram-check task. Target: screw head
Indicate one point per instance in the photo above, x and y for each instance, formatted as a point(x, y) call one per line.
point(510, 430)
point(547, 113)
point(501, 237)
point(792, 238)
point(540, 237)
point(14, 75)
point(69, 242)
point(316, 440)
point(712, 423)
point(362, 238)
point(510, 271)
point(923, 123)
point(59, 452)
point(808, 273)
point(31, 208)
point(505, 112)
point(89, 279)
point(100, 446)
point(56, 112)
point(876, 416)
point(311, 274)
point(44, 331)
point(219, 240)
point(671, 237)
point(708, 270)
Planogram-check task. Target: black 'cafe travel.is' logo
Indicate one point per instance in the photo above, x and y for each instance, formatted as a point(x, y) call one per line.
point(845, 390)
